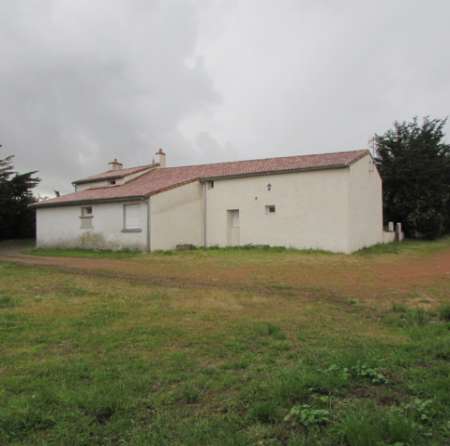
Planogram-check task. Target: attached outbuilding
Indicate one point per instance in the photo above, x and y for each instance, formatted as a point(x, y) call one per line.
point(329, 201)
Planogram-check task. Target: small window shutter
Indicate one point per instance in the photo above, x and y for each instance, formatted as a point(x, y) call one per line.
point(132, 220)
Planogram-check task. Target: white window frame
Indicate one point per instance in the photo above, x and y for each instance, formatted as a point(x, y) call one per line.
point(86, 217)
point(126, 226)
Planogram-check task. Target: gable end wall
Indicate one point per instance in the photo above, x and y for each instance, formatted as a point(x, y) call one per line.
point(366, 207)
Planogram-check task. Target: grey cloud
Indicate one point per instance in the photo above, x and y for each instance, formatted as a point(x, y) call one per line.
point(307, 76)
point(88, 83)
point(85, 81)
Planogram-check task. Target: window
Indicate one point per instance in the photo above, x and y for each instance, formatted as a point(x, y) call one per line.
point(210, 184)
point(270, 209)
point(132, 218)
point(86, 211)
point(112, 182)
point(86, 217)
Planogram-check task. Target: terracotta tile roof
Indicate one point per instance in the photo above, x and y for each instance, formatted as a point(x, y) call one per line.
point(162, 179)
point(113, 174)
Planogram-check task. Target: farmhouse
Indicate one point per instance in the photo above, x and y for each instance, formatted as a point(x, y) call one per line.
point(326, 201)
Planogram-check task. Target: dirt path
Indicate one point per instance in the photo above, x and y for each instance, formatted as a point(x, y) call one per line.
point(353, 276)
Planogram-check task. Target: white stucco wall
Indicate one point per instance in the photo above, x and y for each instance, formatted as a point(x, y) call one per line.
point(92, 185)
point(106, 183)
point(177, 217)
point(338, 210)
point(61, 227)
point(312, 210)
point(366, 207)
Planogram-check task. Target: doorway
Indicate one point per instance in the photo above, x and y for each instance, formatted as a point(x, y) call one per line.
point(233, 227)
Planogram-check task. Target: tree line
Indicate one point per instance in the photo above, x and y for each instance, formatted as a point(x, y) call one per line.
point(414, 162)
point(17, 219)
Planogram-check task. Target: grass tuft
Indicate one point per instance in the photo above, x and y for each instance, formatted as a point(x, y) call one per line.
point(368, 425)
point(444, 312)
point(7, 301)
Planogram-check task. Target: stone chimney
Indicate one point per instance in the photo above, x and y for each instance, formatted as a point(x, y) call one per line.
point(160, 158)
point(115, 165)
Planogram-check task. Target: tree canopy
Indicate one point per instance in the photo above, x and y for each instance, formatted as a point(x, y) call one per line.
point(17, 220)
point(414, 163)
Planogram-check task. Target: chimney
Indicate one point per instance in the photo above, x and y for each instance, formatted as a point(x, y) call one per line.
point(161, 158)
point(115, 165)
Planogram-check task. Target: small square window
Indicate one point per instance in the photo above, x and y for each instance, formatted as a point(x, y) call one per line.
point(270, 209)
point(86, 211)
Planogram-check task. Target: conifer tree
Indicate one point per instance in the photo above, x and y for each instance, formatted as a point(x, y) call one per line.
point(17, 220)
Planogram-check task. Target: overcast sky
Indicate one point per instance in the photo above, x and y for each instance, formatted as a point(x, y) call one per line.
point(85, 81)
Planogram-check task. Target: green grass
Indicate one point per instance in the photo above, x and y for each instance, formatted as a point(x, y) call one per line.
point(444, 312)
point(89, 360)
point(417, 247)
point(407, 247)
point(78, 252)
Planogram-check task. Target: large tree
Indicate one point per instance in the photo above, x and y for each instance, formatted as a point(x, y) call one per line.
point(414, 162)
point(16, 218)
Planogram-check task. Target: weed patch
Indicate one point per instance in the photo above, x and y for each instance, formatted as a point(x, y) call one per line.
point(368, 425)
point(444, 312)
point(7, 302)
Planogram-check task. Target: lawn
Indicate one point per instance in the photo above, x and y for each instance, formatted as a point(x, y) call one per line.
point(228, 347)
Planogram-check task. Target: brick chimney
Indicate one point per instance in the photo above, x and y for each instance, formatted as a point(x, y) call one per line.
point(115, 165)
point(160, 158)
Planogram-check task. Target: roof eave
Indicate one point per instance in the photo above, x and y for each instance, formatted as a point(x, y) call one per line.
point(44, 204)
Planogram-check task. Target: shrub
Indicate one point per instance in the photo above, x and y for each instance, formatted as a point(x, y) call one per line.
point(429, 224)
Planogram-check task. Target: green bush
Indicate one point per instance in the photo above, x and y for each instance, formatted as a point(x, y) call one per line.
point(428, 223)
